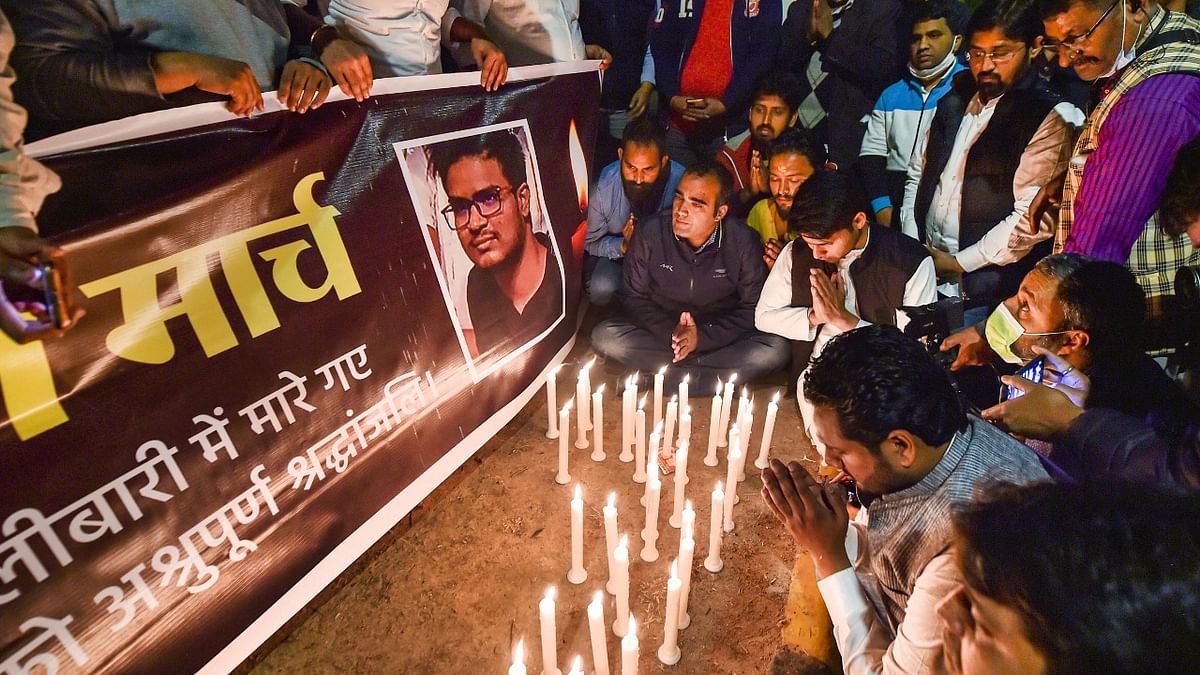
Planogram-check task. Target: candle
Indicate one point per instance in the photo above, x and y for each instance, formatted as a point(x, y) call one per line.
point(599, 637)
point(639, 433)
point(687, 549)
point(627, 398)
point(731, 477)
point(518, 662)
point(685, 428)
point(668, 445)
point(669, 652)
point(680, 487)
point(687, 521)
point(768, 431)
point(713, 562)
point(577, 667)
point(639, 465)
point(650, 532)
point(552, 402)
point(744, 438)
point(564, 428)
point(726, 403)
point(577, 574)
point(610, 539)
point(549, 634)
point(683, 392)
point(714, 428)
point(598, 424)
point(658, 394)
point(629, 649)
point(585, 378)
point(582, 423)
point(621, 558)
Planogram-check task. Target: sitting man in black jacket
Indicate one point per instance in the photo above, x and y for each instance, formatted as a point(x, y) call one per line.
point(691, 283)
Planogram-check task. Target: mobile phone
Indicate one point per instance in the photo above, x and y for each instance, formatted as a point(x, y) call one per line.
point(851, 489)
point(695, 103)
point(54, 293)
point(1034, 372)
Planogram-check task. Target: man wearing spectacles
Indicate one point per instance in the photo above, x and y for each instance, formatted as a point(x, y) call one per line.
point(514, 290)
point(997, 137)
point(1147, 62)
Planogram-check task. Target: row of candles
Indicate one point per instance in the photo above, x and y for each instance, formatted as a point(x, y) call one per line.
point(634, 449)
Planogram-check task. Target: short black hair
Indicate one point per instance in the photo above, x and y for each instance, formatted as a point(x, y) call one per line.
point(501, 146)
point(1181, 199)
point(878, 380)
point(1103, 576)
point(797, 142)
point(1017, 19)
point(824, 204)
point(707, 168)
point(952, 11)
point(1104, 300)
point(781, 83)
point(1052, 8)
point(645, 132)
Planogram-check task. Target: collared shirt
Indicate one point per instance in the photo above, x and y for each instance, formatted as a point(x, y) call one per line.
point(608, 209)
point(529, 32)
point(712, 239)
point(401, 37)
point(24, 182)
point(497, 322)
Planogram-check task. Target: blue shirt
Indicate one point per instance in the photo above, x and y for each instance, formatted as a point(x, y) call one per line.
point(608, 210)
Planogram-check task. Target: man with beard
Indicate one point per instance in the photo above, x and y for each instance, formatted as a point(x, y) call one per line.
point(997, 138)
point(772, 111)
point(638, 185)
point(514, 291)
point(790, 161)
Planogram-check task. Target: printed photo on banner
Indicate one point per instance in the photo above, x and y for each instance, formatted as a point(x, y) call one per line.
point(479, 198)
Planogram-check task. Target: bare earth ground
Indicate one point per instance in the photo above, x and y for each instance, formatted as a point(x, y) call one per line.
point(453, 587)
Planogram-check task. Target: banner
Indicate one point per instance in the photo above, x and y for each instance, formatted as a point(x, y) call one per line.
point(297, 326)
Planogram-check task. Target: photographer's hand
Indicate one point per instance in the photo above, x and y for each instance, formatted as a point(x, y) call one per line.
point(1042, 413)
point(20, 252)
point(973, 350)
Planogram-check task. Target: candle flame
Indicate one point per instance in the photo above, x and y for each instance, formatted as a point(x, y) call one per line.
point(519, 652)
point(556, 369)
point(687, 378)
point(578, 166)
point(720, 488)
point(550, 593)
point(598, 598)
point(674, 570)
point(578, 667)
point(590, 363)
point(687, 505)
point(599, 390)
point(775, 399)
point(733, 378)
point(745, 392)
point(719, 385)
point(632, 627)
point(612, 500)
point(642, 403)
point(662, 371)
point(658, 428)
point(568, 405)
point(578, 492)
point(623, 542)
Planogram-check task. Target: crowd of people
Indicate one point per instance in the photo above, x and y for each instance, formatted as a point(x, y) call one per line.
point(783, 185)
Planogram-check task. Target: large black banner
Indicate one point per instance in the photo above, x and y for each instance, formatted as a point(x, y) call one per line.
point(297, 326)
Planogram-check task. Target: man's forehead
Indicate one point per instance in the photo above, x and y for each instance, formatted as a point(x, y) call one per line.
point(931, 25)
point(790, 163)
point(1039, 288)
point(703, 188)
point(639, 153)
point(1073, 22)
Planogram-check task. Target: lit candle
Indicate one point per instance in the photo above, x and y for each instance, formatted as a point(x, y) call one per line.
point(549, 634)
point(577, 666)
point(564, 429)
point(683, 392)
point(518, 662)
point(680, 487)
point(621, 558)
point(687, 521)
point(627, 398)
point(582, 423)
point(713, 562)
point(685, 433)
point(585, 376)
point(577, 574)
point(687, 549)
point(610, 539)
point(669, 652)
point(668, 443)
point(598, 424)
point(658, 394)
point(726, 403)
point(639, 433)
point(599, 636)
point(650, 532)
point(640, 461)
point(552, 402)
point(731, 476)
point(714, 429)
point(629, 649)
point(744, 438)
point(768, 432)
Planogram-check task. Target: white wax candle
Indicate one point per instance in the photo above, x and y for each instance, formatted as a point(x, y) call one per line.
point(585, 378)
point(687, 521)
point(577, 574)
point(731, 477)
point(564, 428)
point(629, 649)
point(681, 460)
point(582, 423)
point(726, 403)
point(714, 429)
point(685, 427)
point(768, 431)
point(683, 392)
point(643, 456)
point(658, 394)
point(713, 562)
point(669, 652)
point(639, 434)
point(627, 398)
point(669, 429)
point(621, 558)
point(744, 438)
point(687, 549)
point(552, 402)
point(549, 634)
point(610, 539)
point(598, 424)
point(680, 487)
point(650, 532)
point(598, 634)
point(518, 662)
point(577, 666)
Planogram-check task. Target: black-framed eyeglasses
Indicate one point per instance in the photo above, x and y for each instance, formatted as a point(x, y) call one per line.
point(1074, 42)
point(488, 202)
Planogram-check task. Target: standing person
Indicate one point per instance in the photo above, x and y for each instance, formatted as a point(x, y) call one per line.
point(998, 136)
point(845, 52)
point(889, 418)
point(531, 32)
point(622, 27)
point(790, 160)
point(1148, 63)
point(905, 109)
point(773, 110)
point(707, 56)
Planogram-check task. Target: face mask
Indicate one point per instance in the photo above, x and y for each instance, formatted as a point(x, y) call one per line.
point(1124, 58)
point(927, 75)
point(1002, 332)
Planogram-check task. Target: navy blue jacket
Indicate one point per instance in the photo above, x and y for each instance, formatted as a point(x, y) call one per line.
point(754, 34)
point(719, 285)
point(622, 27)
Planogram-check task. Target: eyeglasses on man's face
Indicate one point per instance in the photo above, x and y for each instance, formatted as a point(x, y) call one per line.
point(998, 56)
point(488, 202)
point(1076, 42)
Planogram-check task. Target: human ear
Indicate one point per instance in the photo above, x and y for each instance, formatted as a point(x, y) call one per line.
point(901, 448)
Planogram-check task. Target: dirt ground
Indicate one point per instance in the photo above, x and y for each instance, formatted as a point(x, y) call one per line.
point(451, 589)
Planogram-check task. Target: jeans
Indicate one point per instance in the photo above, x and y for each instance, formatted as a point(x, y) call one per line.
point(687, 150)
point(753, 356)
point(601, 279)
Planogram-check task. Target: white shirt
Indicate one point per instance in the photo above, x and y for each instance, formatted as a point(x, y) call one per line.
point(529, 32)
point(401, 37)
point(1012, 238)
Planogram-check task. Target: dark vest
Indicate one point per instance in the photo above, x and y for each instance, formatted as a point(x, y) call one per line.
point(987, 194)
point(879, 276)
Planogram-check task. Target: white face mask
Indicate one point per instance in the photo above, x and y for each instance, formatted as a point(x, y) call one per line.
point(927, 75)
point(1124, 57)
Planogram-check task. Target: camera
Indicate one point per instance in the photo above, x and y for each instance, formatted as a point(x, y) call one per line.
point(931, 324)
